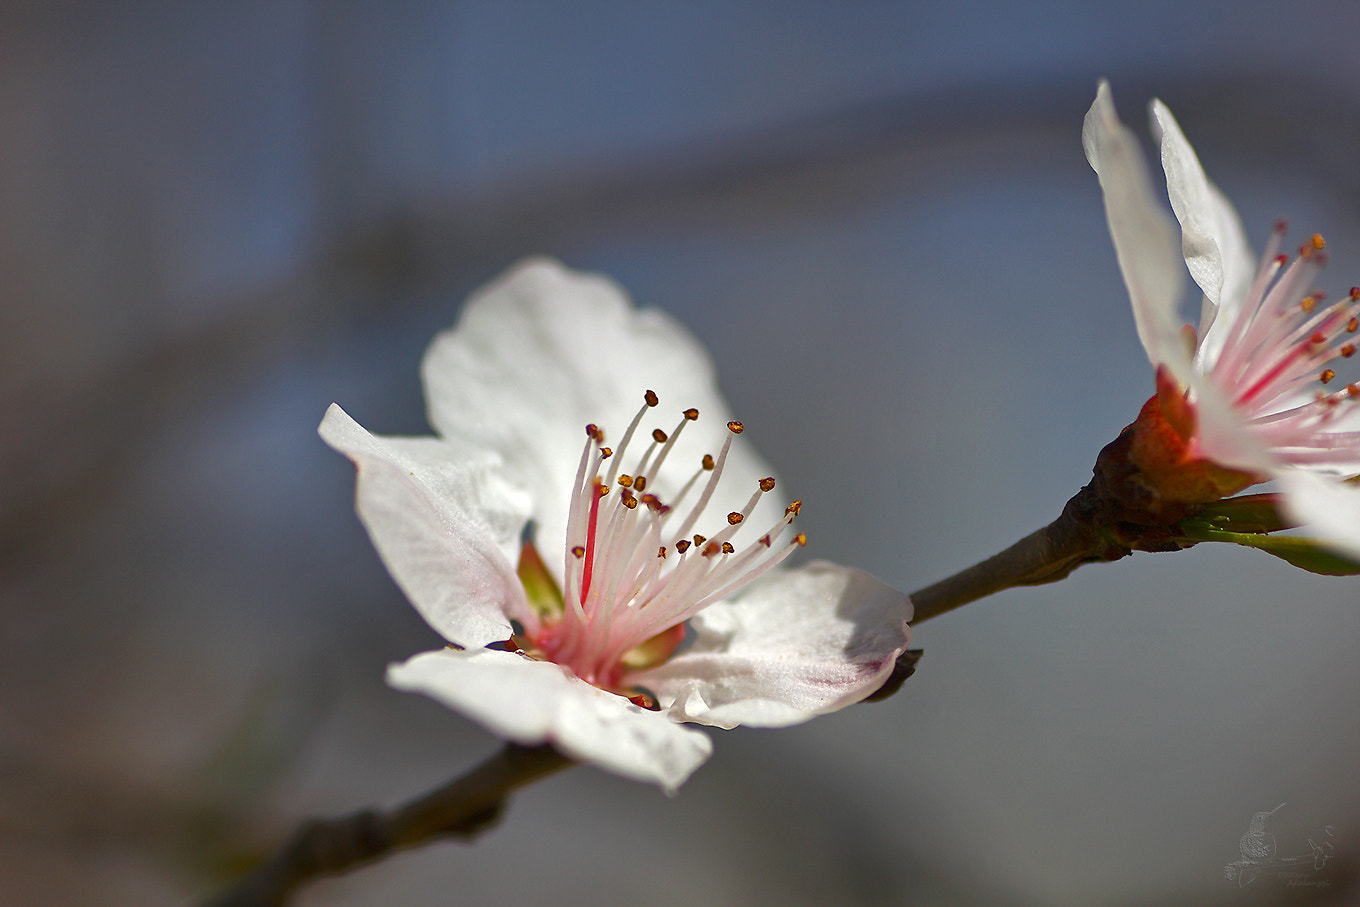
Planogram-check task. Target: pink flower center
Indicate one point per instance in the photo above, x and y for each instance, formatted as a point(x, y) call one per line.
point(1275, 357)
point(635, 568)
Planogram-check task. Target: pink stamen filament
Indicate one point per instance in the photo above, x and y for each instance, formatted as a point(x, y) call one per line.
point(1272, 360)
point(623, 585)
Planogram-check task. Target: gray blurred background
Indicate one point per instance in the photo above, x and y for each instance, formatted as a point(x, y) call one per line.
point(215, 219)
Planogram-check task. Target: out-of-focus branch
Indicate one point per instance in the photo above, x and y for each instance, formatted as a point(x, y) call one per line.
point(463, 808)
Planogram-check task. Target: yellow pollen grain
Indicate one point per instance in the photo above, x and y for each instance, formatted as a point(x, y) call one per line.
point(767, 483)
point(626, 480)
point(793, 509)
point(578, 552)
point(1317, 241)
point(1327, 375)
point(606, 453)
point(734, 518)
point(1307, 303)
point(700, 539)
point(800, 539)
point(727, 548)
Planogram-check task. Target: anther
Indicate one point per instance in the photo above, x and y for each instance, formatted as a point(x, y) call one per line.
point(708, 462)
point(652, 400)
point(700, 539)
point(661, 552)
point(1348, 350)
point(578, 552)
point(691, 414)
point(793, 509)
point(727, 548)
point(606, 453)
point(682, 546)
point(765, 540)
point(629, 499)
point(800, 539)
point(767, 484)
point(1327, 375)
point(1307, 303)
point(658, 436)
point(626, 481)
point(593, 432)
point(1353, 325)
point(735, 427)
point(1355, 294)
point(652, 501)
point(1353, 390)
point(1317, 241)
point(734, 518)
point(640, 483)
point(711, 549)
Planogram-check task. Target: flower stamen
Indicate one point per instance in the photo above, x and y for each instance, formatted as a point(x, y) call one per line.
point(626, 587)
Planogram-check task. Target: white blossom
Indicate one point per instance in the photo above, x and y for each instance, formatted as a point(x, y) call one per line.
point(650, 594)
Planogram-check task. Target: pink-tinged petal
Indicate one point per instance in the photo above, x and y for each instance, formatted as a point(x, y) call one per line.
point(533, 702)
point(1145, 237)
point(543, 351)
point(1213, 242)
point(797, 644)
point(1327, 508)
point(446, 523)
point(1223, 436)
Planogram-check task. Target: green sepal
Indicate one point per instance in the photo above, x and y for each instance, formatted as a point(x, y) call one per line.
point(1304, 553)
point(539, 586)
point(1244, 513)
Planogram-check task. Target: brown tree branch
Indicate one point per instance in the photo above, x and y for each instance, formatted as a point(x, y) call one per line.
point(463, 808)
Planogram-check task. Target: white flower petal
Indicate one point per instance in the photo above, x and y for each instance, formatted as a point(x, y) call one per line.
point(1224, 437)
point(1212, 239)
point(1327, 508)
point(797, 644)
point(445, 522)
point(532, 702)
point(543, 351)
point(1144, 235)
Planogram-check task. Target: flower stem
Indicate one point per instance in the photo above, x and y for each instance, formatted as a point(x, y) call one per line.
point(1044, 556)
point(463, 808)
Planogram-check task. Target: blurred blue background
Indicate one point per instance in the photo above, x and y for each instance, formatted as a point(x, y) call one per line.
point(216, 219)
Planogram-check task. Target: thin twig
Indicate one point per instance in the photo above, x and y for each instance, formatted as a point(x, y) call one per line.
point(1044, 556)
point(461, 809)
